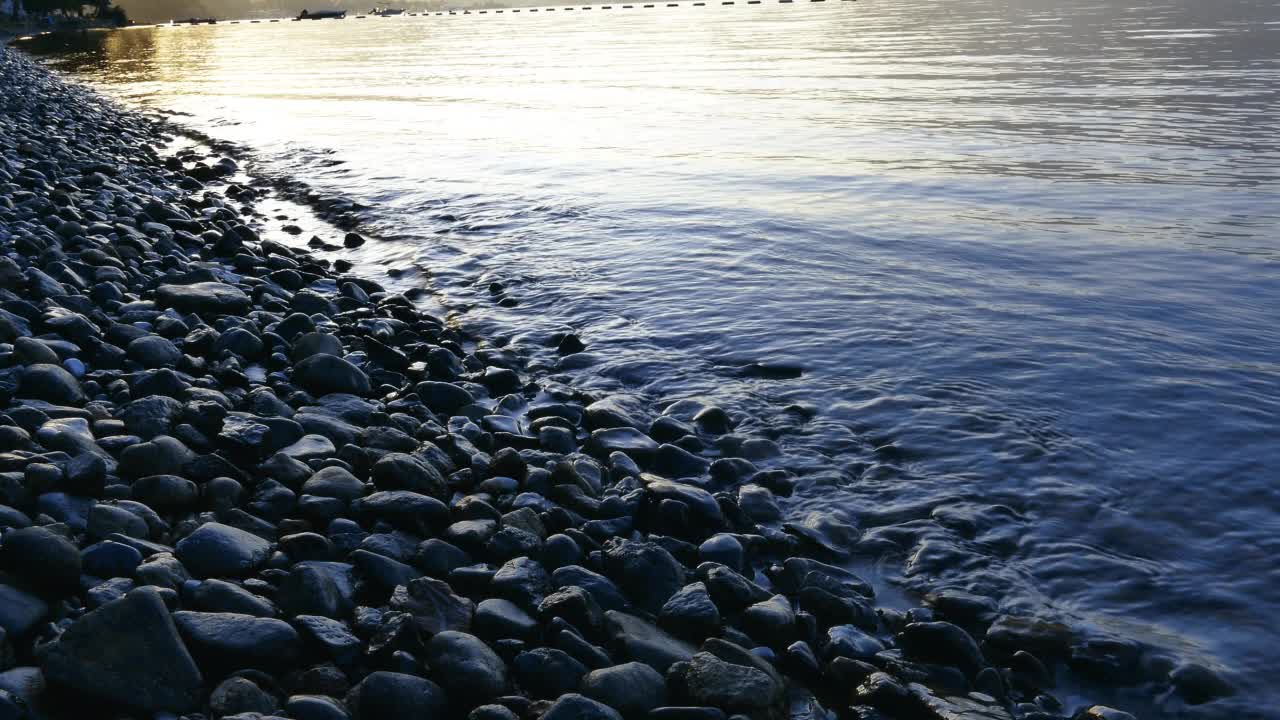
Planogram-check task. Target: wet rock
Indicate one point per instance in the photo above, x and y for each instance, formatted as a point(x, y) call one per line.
point(315, 707)
point(497, 618)
point(547, 672)
point(398, 471)
point(240, 695)
point(153, 351)
point(645, 571)
point(324, 374)
point(691, 613)
point(316, 343)
point(220, 596)
point(43, 558)
point(626, 440)
point(632, 689)
point(1198, 684)
point(382, 695)
point(710, 680)
point(230, 640)
point(20, 610)
point(126, 653)
point(577, 707)
point(850, 642)
point(434, 606)
point(217, 550)
point(110, 559)
point(638, 640)
point(465, 666)
point(50, 383)
point(205, 298)
point(944, 644)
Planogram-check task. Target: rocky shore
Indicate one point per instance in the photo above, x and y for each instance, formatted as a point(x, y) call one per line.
point(237, 481)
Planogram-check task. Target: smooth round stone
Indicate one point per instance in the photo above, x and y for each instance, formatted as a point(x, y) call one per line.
point(724, 549)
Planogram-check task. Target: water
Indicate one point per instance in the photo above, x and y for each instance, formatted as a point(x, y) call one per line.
point(1025, 253)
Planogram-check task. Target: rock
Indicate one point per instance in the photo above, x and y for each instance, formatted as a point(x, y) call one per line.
point(240, 695)
point(547, 672)
point(20, 611)
point(126, 653)
point(691, 613)
point(217, 550)
point(149, 417)
point(166, 493)
point(330, 636)
point(50, 383)
point(601, 588)
point(771, 622)
point(1102, 712)
point(496, 618)
point(628, 441)
point(712, 681)
point(632, 689)
point(645, 571)
point(43, 558)
point(638, 640)
point(576, 606)
point(315, 707)
point(434, 606)
point(231, 640)
point(443, 397)
point(1044, 639)
point(944, 644)
point(398, 471)
point(205, 298)
point(316, 343)
point(153, 351)
point(324, 374)
point(109, 559)
point(382, 695)
point(1198, 684)
point(334, 482)
point(29, 351)
point(219, 596)
point(465, 666)
point(577, 707)
point(522, 581)
point(848, 641)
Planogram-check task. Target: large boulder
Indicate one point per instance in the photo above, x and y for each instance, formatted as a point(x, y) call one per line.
point(126, 653)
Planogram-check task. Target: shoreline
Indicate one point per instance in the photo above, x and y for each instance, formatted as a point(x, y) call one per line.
point(341, 491)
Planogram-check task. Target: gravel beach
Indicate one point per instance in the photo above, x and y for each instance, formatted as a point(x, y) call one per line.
point(237, 480)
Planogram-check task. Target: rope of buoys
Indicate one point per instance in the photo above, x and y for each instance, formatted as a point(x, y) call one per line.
point(495, 11)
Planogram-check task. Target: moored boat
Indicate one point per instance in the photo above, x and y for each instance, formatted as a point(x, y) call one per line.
point(322, 15)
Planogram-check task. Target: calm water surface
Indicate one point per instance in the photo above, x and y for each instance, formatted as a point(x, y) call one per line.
point(1025, 253)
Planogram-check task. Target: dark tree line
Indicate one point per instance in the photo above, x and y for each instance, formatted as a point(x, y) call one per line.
point(100, 9)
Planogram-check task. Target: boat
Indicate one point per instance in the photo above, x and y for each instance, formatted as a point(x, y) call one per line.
point(386, 12)
point(196, 21)
point(322, 15)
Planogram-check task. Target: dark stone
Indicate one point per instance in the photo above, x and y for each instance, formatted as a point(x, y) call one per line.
point(639, 640)
point(109, 559)
point(220, 596)
point(20, 611)
point(547, 673)
point(153, 351)
point(324, 374)
point(381, 695)
point(848, 641)
point(206, 298)
point(577, 707)
point(942, 643)
point(237, 695)
point(398, 471)
point(710, 680)
point(465, 666)
point(231, 640)
point(434, 606)
point(50, 383)
point(645, 571)
point(217, 550)
point(691, 613)
point(496, 618)
point(45, 559)
point(632, 689)
point(126, 653)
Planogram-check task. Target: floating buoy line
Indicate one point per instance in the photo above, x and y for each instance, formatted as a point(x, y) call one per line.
point(487, 11)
